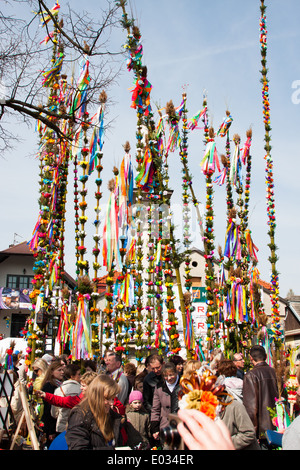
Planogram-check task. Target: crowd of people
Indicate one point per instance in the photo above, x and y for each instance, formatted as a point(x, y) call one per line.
point(87, 405)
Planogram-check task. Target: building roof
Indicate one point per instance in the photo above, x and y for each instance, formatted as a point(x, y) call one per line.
point(101, 283)
point(24, 250)
point(19, 249)
point(294, 302)
point(264, 284)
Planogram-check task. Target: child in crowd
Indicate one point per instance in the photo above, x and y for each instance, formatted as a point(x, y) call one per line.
point(137, 415)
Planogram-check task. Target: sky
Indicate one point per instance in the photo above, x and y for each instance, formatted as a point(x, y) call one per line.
point(196, 46)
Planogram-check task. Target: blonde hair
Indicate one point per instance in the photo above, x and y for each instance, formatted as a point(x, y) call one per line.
point(40, 364)
point(101, 387)
point(140, 368)
point(190, 366)
point(88, 377)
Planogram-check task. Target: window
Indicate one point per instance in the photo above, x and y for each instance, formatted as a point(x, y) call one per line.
point(19, 282)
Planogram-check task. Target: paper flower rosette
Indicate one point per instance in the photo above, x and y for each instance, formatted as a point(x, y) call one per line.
point(202, 392)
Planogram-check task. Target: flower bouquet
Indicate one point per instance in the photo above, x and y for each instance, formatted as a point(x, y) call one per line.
point(201, 391)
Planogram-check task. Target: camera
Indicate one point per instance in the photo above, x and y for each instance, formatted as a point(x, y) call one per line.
point(170, 435)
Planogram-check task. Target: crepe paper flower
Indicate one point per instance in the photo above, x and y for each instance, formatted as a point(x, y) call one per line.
point(83, 178)
point(202, 392)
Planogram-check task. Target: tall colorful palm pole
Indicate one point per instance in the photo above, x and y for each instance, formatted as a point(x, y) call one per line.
point(140, 101)
point(111, 259)
point(87, 153)
point(170, 257)
point(150, 164)
point(81, 340)
point(186, 186)
point(209, 163)
point(45, 241)
point(277, 332)
point(125, 219)
point(60, 332)
point(222, 178)
point(123, 289)
point(239, 315)
point(95, 163)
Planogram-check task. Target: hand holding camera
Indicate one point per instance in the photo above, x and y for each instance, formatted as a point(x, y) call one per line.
point(199, 432)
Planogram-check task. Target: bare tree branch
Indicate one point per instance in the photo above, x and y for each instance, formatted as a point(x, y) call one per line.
point(24, 57)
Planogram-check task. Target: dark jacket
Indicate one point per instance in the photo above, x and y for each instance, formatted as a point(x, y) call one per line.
point(83, 433)
point(149, 384)
point(259, 393)
point(47, 418)
point(164, 403)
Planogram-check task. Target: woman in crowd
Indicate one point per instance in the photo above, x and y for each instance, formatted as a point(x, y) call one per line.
point(39, 368)
point(191, 366)
point(52, 379)
point(71, 400)
point(165, 399)
point(93, 424)
point(179, 363)
point(130, 372)
point(226, 372)
point(70, 387)
point(234, 413)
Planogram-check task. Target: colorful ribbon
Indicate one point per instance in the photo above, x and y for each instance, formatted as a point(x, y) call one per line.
point(145, 177)
point(210, 159)
point(232, 241)
point(111, 250)
point(63, 328)
point(82, 333)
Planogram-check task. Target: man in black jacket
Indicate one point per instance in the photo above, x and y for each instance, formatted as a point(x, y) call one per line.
point(152, 379)
point(260, 390)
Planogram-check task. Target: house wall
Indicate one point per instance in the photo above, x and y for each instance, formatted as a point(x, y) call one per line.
point(14, 265)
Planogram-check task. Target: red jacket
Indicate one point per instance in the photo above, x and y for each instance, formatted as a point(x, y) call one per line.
point(71, 401)
point(63, 402)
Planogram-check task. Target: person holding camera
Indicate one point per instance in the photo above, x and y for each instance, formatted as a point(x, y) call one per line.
point(199, 432)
